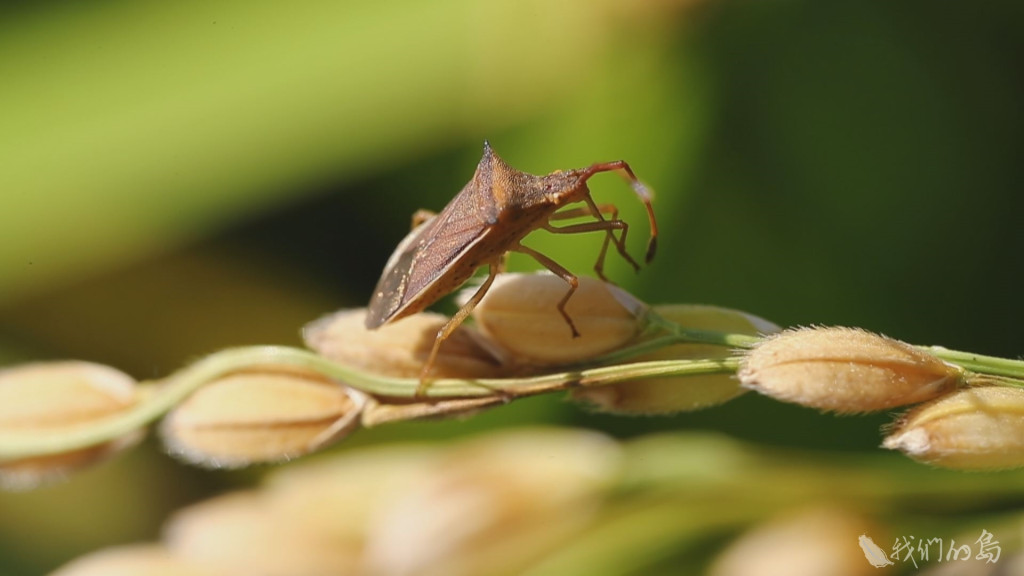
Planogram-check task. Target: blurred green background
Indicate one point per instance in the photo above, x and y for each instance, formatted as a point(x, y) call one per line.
point(181, 177)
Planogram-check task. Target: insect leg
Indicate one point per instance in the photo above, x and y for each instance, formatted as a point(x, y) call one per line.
point(642, 192)
point(608, 226)
point(595, 210)
point(564, 274)
point(581, 211)
point(620, 242)
point(450, 327)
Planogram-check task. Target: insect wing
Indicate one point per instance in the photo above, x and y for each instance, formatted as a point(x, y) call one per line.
point(391, 288)
point(413, 275)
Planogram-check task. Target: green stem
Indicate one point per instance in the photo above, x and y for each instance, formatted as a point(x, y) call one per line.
point(714, 338)
point(978, 363)
point(177, 387)
point(991, 365)
point(673, 333)
point(15, 445)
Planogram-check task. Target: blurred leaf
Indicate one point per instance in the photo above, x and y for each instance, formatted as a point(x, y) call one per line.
point(130, 127)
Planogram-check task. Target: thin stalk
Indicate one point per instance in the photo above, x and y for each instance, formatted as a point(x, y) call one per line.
point(979, 363)
point(701, 336)
point(991, 365)
point(161, 398)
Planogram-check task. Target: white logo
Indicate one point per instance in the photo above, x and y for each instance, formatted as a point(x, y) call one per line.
point(911, 549)
point(873, 552)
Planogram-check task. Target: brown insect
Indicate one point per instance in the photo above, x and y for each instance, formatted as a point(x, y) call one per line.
point(485, 221)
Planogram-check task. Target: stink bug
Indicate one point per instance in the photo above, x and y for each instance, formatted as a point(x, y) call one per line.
point(485, 221)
